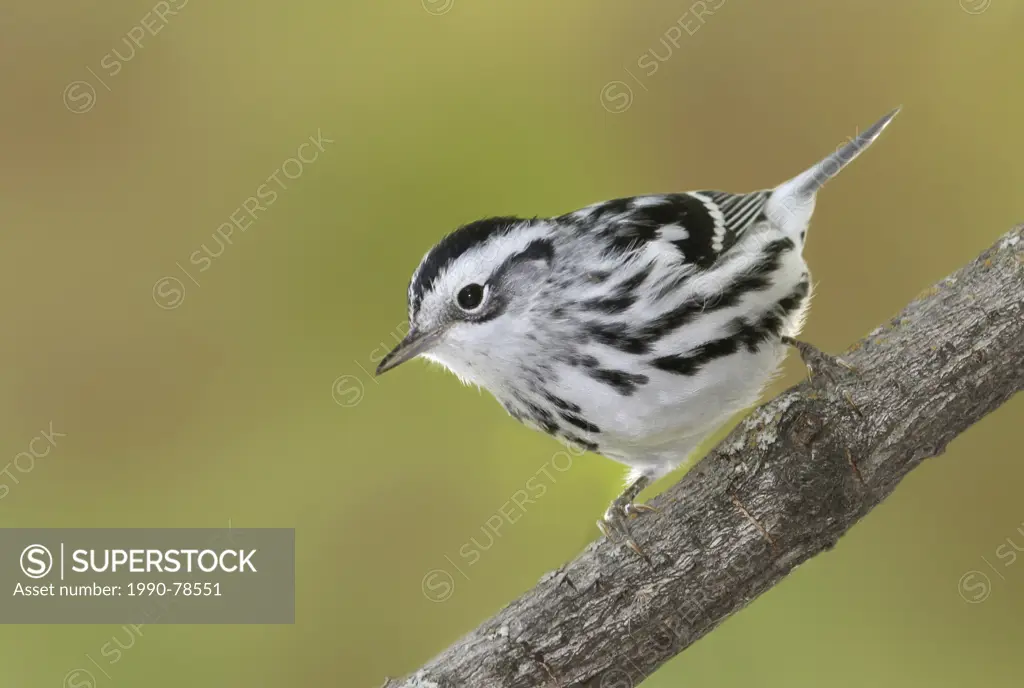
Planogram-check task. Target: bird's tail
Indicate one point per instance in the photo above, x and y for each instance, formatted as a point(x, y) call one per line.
point(791, 203)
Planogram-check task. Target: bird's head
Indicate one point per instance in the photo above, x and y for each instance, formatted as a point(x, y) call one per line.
point(470, 292)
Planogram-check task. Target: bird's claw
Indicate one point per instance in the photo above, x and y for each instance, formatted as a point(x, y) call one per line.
point(634, 510)
point(615, 524)
point(824, 370)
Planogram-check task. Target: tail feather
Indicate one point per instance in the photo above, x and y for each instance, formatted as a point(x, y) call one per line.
point(792, 202)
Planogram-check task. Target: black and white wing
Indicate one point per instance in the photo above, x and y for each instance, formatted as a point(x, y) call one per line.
point(700, 225)
point(735, 213)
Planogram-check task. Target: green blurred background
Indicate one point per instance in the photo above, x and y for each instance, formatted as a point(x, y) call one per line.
point(245, 395)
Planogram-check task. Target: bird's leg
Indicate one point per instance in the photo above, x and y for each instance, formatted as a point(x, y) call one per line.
point(616, 517)
point(823, 366)
point(816, 360)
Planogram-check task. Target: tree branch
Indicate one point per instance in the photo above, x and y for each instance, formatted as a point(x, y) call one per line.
point(785, 485)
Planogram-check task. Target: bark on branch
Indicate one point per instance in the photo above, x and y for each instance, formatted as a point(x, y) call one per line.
point(785, 485)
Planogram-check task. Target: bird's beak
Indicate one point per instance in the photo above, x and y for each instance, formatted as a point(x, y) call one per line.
point(414, 344)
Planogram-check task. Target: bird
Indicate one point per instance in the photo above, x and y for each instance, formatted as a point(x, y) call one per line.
point(632, 328)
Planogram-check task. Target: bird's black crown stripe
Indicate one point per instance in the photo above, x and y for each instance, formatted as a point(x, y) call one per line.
point(538, 249)
point(451, 247)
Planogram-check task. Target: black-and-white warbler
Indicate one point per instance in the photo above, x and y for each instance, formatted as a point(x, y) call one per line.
point(633, 327)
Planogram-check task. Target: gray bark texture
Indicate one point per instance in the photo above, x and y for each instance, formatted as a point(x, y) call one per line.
point(785, 485)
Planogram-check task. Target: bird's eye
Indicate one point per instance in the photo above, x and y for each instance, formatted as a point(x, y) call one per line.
point(470, 297)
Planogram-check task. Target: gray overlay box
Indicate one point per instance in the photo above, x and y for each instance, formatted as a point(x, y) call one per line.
point(238, 575)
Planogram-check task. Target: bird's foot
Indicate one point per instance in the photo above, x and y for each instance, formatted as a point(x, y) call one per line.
point(615, 523)
point(825, 370)
point(615, 526)
point(634, 510)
